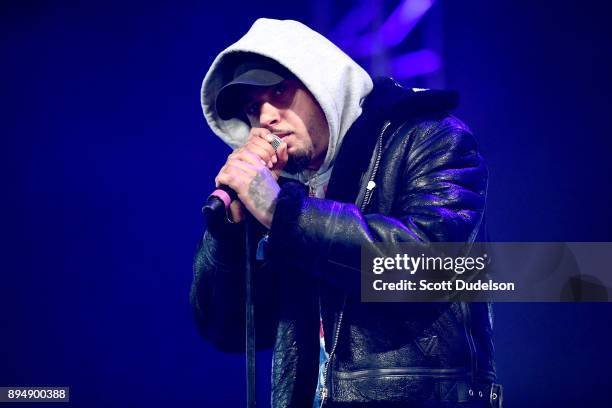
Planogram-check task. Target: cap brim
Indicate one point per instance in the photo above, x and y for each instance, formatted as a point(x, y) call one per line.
point(230, 98)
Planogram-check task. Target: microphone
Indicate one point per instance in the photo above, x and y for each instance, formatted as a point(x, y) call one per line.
point(219, 201)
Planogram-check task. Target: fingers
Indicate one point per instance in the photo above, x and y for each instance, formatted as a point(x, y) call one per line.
point(258, 151)
point(282, 154)
point(241, 167)
point(261, 148)
point(247, 156)
point(283, 157)
point(259, 134)
point(236, 211)
point(234, 177)
point(259, 143)
point(238, 168)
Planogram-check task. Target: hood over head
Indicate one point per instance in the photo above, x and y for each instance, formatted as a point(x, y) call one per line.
point(337, 82)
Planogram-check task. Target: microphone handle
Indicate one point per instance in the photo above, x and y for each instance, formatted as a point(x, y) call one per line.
point(218, 202)
point(220, 199)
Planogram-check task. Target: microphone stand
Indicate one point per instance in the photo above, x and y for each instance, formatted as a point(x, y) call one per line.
point(213, 210)
point(250, 315)
point(214, 206)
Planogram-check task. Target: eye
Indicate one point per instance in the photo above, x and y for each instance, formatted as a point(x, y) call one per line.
point(251, 109)
point(280, 89)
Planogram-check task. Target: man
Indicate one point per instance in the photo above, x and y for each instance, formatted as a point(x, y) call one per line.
point(359, 163)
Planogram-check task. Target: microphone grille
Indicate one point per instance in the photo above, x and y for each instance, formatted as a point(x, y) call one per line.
point(276, 142)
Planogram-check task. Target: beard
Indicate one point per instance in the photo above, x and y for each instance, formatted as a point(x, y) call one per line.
point(297, 162)
point(303, 154)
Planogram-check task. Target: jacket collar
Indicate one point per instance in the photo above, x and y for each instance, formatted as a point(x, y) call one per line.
point(388, 101)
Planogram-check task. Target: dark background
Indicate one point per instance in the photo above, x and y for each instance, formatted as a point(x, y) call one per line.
point(106, 160)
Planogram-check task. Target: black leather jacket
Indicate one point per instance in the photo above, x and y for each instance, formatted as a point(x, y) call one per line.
point(430, 185)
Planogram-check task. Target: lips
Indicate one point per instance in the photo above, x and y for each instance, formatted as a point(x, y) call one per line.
point(283, 135)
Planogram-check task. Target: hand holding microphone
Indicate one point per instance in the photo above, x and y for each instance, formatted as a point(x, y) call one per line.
point(250, 175)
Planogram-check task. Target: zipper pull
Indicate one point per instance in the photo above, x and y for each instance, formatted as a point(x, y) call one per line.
point(323, 394)
point(371, 185)
point(260, 253)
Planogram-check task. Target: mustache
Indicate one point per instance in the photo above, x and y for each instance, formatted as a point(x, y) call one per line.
point(277, 131)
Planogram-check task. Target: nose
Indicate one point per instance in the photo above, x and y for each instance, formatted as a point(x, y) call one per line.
point(269, 115)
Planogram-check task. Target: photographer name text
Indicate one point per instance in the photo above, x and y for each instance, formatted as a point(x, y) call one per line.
point(448, 285)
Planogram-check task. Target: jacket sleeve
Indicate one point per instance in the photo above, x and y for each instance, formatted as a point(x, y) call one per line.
point(440, 197)
point(217, 293)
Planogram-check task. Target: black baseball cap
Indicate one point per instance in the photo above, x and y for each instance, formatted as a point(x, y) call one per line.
point(253, 72)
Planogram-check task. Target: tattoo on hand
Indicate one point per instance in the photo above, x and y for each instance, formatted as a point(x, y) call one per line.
point(262, 192)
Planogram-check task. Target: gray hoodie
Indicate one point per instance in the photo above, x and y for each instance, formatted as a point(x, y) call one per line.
point(336, 81)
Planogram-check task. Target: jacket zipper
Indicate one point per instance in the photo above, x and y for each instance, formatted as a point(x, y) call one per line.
point(324, 391)
point(371, 184)
point(366, 200)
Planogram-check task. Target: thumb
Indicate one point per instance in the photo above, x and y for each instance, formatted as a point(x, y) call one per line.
point(283, 157)
point(282, 154)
